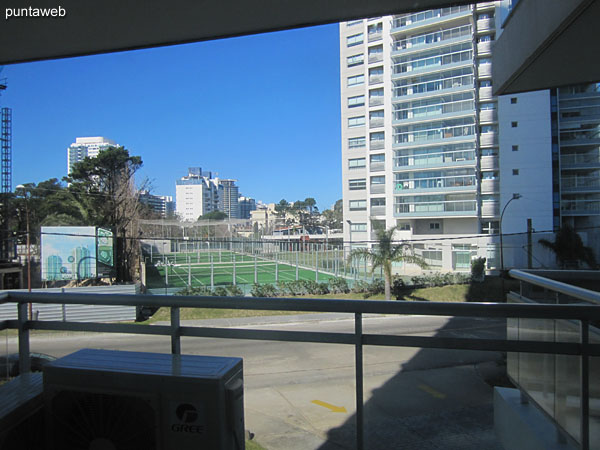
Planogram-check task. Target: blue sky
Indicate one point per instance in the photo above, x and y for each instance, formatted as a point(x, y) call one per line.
point(262, 109)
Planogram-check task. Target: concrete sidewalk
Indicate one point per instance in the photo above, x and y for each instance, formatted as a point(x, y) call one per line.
point(447, 408)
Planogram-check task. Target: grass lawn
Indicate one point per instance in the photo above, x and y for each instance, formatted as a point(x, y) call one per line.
point(253, 445)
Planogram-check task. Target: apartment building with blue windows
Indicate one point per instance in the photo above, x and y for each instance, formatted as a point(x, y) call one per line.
point(420, 128)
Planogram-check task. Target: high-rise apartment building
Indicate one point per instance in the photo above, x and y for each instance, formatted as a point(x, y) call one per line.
point(160, 204)
point(247, 205)
point(419, 123)
point(197, 194)
point(229, 200)
point(550, 142)
point(86, 146)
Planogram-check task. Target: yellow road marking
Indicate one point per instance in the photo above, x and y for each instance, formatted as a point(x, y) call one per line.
point(431, 391)
point(329, 406)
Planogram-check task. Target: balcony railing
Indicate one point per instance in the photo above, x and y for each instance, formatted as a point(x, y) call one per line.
point(377, 210)
point(377, 166)
point(377, 144)
point(375, 36)
point(376, 122)
point(488, 139)
point(580, 207)
point(485, 25)
point(489, 162)
point(468, 181)
point(411, 19)
point(174, 331)
point(375, 79)
point(567, 388)
point(455, 83)
point(378, 189)
point(488, 116)
point(490, 209)
point(484, 48)
point(580, 183)
point(485, 93)
point(490, 185)
point(433, 38)
point(466, 206)
point(435, 159)
point(376, 101)
point(484, 70)
point(377, 57)
point(580, 159)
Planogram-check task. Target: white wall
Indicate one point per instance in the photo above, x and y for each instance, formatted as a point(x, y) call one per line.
point(533, 160)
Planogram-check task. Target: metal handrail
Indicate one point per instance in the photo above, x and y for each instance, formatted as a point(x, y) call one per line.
point(582, 313)
point(563, 288)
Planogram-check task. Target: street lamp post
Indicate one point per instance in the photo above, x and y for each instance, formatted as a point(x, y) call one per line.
point(514, 197)
point(22, 188)
point(349, 222)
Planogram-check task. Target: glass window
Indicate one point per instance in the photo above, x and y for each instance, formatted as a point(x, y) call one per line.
point(357, 163)
point(378, 180)
point(376, 114)
point(380, 157)
point(434, 225)
point(358, 205)
point(403, 226)
point(355, 60)
point(358, 227)
point(353, 102)
point(357, 142)
point(353, 22)
point(377, 136)
point(378, 201)
point(358, 184)
point(376, 71)
point(356, 80)
point(356, 121)
point(355, 39)
point(376, 93)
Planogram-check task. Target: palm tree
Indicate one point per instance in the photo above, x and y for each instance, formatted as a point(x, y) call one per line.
point(384, 253)
point(569, 249)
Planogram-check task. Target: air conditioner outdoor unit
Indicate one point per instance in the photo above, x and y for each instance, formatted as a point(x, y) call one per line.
point(108, 400)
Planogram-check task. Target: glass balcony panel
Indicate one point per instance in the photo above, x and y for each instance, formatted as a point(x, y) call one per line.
point(484, 70)
point(583, 159)
point(377, 145)
point(485, 93)
point(489, 162)
point(378, 189)
point(378, 210)
point(377, 166)
point(452, 83)
point(485, 25)
point(375, 79)
point(488, 139)
point(580, 207)
point(580, 182)
point(433, 38)
point(488, 116)
point(484, 48)
point(489, 186)
point(490, 209)
point(375, 101)
point(377, 122)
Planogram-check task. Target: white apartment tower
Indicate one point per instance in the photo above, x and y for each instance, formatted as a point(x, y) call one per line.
point(196, 194)
point(419, 123)
point(86, 146)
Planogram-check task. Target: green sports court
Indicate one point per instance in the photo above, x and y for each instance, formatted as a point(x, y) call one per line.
point(211, 268)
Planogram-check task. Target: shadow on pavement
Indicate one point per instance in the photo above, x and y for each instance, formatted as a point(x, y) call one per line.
point(439, 399)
